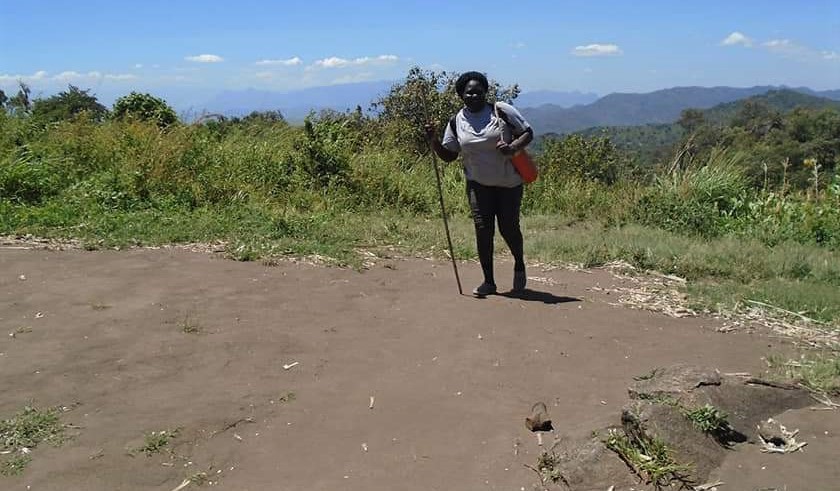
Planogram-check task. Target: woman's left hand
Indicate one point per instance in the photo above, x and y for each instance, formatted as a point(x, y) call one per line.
point(505, 148)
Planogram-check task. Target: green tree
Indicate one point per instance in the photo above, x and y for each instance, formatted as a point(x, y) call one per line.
point(590, 158)
point(691, 120)
point(67, 105)
point(21, 103)
point(144, 107)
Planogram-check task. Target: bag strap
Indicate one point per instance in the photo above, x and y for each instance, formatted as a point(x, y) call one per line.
point(501, 114)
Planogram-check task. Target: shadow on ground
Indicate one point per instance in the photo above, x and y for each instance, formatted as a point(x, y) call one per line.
point(529, 295)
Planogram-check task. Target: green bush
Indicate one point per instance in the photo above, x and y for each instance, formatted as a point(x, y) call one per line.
point(144, 107)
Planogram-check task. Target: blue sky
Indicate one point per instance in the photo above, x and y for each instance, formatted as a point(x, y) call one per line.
point(602, 46)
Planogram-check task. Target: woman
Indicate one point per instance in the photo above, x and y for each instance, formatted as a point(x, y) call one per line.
point(487, 135)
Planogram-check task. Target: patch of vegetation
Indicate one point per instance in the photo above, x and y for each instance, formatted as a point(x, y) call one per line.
point(663, 399)
point(708, 419)
point(199, 479)
point(25, 431)
point(189, 325)
point(816, 371)
point(15, 465)
point(648, 376)
point(649, 458)
point(548, 467)
point(154, 442)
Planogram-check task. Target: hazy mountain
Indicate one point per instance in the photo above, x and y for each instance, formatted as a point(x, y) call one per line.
point(295, 105)
point(621, 109)
point(547, 111)
point(557, 98)
point(651, 140)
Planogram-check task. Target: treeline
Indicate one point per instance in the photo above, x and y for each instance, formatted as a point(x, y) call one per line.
point(67, 160)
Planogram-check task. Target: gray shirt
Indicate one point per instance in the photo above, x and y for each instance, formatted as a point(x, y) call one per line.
point(476, 141)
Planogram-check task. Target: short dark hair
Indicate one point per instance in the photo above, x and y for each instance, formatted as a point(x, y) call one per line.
point(464, 79)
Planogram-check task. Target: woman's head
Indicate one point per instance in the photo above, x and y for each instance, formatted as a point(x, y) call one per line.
point(472, 88)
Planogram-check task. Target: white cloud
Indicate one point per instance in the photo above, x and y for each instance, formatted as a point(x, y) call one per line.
point(205, 59)
point(737, 38)
point(138, 65)
point(67, 76)
point(778, 44)
point(830, 55)
point(336, 62)
point(264, 75)
point(597, 50)
point(120, 76)
point(519, 45)
point(289, 62)
point(786, 47)
point(39, 75)
point(587, 70)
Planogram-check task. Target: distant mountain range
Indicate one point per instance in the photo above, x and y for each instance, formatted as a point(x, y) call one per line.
point(659, 107)
point(555, 98)
point(655, 139)
point(295, 105)
point(547, 111)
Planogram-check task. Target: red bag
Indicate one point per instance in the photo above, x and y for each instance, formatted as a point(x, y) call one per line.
point(521, 160)
point(525, 166)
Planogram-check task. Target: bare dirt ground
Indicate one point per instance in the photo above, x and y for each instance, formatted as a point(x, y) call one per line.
point(451, 378)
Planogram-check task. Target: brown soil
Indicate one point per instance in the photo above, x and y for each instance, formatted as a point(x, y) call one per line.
point(452, 378)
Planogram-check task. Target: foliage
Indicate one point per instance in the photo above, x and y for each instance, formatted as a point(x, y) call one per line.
point(144, 107)
point(67, 105)
point(818, 371)
point(694, 200)
point(20, 103)
point(596, 159)
point(708, 419)
point(25, 431)
point(648, 457)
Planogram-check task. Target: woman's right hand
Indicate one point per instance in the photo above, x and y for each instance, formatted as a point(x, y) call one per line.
point(430, 129)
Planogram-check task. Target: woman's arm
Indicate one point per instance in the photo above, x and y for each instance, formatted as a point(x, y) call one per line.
point(444, 153)
point(517, 144)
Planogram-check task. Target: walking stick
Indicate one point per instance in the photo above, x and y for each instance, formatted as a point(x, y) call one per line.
point(442, 206)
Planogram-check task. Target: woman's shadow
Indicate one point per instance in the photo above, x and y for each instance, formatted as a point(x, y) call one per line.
point(529, 295)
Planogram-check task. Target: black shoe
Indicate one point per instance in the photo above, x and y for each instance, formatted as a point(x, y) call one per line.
point(484, 289)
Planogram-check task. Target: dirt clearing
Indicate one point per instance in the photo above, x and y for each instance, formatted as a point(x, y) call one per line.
point(178, 368)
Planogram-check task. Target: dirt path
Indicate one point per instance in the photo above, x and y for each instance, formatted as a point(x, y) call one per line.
point(452, 377)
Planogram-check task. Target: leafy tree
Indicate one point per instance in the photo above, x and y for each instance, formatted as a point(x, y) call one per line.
point(21, 103)
point(573, 155)
point(264, 117)
point(426, 96)
point(757, 117)
point(691, 119)
point(67, 105)
point(144, 107)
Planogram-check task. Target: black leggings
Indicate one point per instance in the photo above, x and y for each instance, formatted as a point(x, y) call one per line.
point(489, 203)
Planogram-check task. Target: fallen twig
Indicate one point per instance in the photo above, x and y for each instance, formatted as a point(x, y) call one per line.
point(184, 484)
point(797, 314)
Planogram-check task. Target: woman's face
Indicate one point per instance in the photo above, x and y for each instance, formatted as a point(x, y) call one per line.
point(475, 97)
